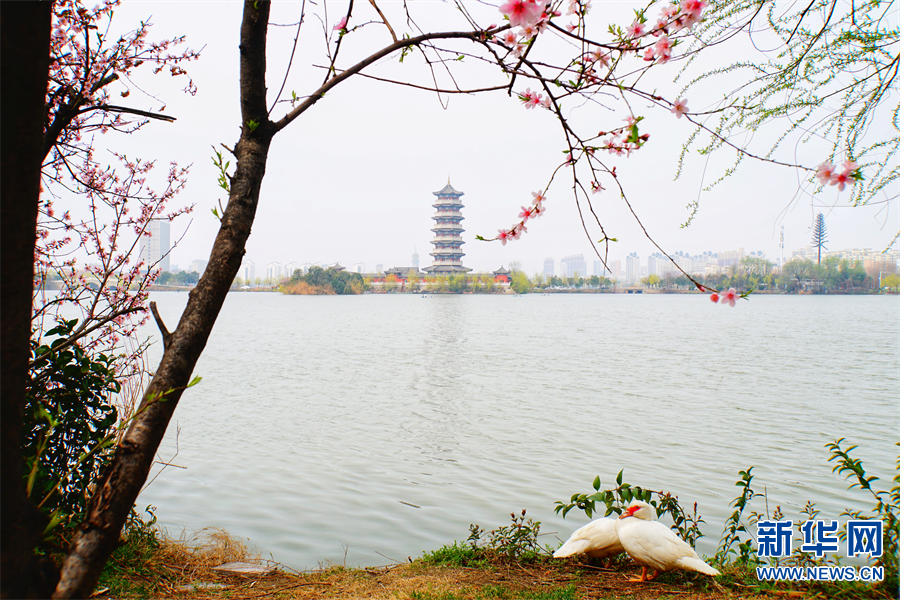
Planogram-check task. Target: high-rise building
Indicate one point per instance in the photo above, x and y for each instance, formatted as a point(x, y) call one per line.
point(198, 266)
point(154, 250)
point(548, 267)
point(273, 270)
point(248, 271)
point(447, 254)
point(615, 268)
point(601, 271)
point(415, 259)
point(572, 265)
point(632, 268)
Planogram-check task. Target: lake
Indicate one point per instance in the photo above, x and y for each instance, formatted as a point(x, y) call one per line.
point(366, 429)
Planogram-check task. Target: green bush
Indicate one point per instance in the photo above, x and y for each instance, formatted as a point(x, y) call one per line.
point(69, 423)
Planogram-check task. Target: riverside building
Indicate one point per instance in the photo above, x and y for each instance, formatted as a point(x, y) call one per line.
point(154, 248)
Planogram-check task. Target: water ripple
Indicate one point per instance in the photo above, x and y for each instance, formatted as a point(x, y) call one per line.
point(320, 420)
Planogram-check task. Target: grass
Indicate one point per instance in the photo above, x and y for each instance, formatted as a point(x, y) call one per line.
point(149, 567)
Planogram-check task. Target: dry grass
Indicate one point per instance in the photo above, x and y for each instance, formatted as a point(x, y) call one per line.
point(304, 289)
point(185, 571)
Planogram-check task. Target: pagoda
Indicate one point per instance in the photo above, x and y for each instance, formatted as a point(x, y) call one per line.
point(447, 254)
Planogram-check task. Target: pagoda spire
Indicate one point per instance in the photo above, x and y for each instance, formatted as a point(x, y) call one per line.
point(447, 253)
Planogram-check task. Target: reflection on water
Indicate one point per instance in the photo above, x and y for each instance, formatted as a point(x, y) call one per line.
point(383, 425)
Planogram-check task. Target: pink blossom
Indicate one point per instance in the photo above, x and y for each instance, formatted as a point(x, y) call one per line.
point(850, 166)
point(649, 54)
point(341, 24)
point(538, 197)
point(844, 177)
point(526, 32)
point(841, 180)
point(669, 11)
point(692, 12)
point(636, 29)
point(729, 297)
point(602, 57)
point(714, 297)
point(664, 48)
point(545, 101)
point(694, 6)
point(538, 211)
point(503, 235)
point(824, 173)
point(527, 97)
point(596, 188)
point(680, 107)
point(662, 26)
point(531, 99)
point(522, 12)
point(509, 39)
point(525, 214)
point(571, 27)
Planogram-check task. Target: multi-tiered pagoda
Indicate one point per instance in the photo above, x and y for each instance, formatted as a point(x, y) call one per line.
point(447, 254)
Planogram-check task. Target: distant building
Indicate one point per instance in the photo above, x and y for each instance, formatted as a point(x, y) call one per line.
point(379, 268)
point(632, 268)
point(274, 270)
point(572, 265)
point(658, 265)
point(447, 253)
point(615, 268)
point(290, 268)
point(402, 272)
point(198, 266)
point(502, 275)
point(247, 271)
point(415, 259)
point(154, 250)
point(726, 259)
point(548, 267)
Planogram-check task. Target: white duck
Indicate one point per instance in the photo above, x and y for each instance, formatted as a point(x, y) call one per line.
point(598, 539)
point(653, 545)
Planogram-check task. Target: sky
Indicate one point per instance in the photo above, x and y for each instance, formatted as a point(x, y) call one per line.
point(352, 179)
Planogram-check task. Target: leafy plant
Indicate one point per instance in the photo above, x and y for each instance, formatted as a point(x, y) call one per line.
point(733, 525)
point(68, 423)
point(456, 555)
point(617, 498)
point(516, 541)
point(887, 507)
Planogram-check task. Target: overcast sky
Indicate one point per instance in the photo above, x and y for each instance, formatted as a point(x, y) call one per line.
point(352, 179)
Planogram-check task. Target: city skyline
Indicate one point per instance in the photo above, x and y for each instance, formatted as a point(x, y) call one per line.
point(328, 197)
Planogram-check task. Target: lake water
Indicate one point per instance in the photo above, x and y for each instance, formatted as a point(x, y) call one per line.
point(366, 429)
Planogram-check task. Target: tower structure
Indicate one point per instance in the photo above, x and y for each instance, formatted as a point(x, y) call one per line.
point(447, 253)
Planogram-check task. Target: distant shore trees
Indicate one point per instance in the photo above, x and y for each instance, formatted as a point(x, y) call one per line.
point(833, 274)
point(318, 281)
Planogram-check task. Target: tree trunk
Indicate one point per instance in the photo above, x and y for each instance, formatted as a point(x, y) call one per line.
point(25, 57)
point(98, 535)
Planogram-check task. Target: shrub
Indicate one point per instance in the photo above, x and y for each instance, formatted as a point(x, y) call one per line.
point(69, 423)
